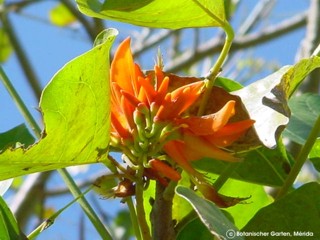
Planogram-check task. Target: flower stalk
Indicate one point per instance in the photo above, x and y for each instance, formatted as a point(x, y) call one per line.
point(215, 70)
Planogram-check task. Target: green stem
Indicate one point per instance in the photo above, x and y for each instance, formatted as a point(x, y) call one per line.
point(215, 70)
point(134, 220)
point(85, 205)
point(65, 175)
point(20, 104)
point(47, 223)
point(213, 73)
point(141, 215)
point(301, 159)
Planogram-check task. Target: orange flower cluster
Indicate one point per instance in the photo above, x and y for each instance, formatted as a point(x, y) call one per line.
point(149, 121)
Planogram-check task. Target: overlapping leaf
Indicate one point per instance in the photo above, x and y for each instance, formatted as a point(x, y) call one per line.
point(314, 155)
point(8, 225)
point(266, 100)
point(305, 110)
point(76, 110)
point(19, 134)
point(262, 166)
point(298, 211)
point(211, 216)
point(158, 13)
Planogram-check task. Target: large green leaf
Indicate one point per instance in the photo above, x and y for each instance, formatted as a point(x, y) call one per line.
point(76, 111)
point(297, 212)
point(266, 100)
point(18, 134)
point(211, 216)
point(158, 13)
point(8, 225)
point(305, 110)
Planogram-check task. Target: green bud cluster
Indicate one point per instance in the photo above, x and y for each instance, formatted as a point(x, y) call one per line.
point(149, 136)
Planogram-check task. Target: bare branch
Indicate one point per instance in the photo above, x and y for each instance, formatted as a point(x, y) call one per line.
point(215, 45)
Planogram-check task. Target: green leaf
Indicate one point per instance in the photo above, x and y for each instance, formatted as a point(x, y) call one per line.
point(181, 207)
point(211, 216)
point(314, 155)
point(298, 211)
point(18, 134)
point(305, 109)
point(243, 212)
point(262, 166)
point(158, 13)
point(266, 99)
point(76, 109)
point(5, 46)
point(122, 221)
point(61, 16)
point(227, 84)
point(8, 225)
point(194, 230)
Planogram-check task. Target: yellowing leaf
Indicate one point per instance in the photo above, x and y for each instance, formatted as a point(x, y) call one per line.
point(5, 46)
point(61, 16)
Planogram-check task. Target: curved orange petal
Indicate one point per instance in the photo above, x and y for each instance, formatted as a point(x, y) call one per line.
point(230, 133)
point(223, 115)
point(164, 169)
point(159, 76)
point(118, 127)
point(123, 71)
point(174, 149)
point(203, 148)
point(176, 102)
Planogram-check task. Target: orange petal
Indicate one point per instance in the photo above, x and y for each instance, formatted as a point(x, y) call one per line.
point(234, 128)
point(174, 151)
point(209, 124)
point(203, 148)
point(164, 169)
point(188, 94)
point(176, 102)
point(159, 76)
point(127, 110)
point(123, 70)
point(223, 115)
point(130, 98)
point(162, 91)
point(118, 127)
point(148, 88)
point(230, 133)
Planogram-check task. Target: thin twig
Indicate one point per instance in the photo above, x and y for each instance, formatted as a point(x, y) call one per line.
point(21, 55)
point(214, 46)
point(81, 18)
